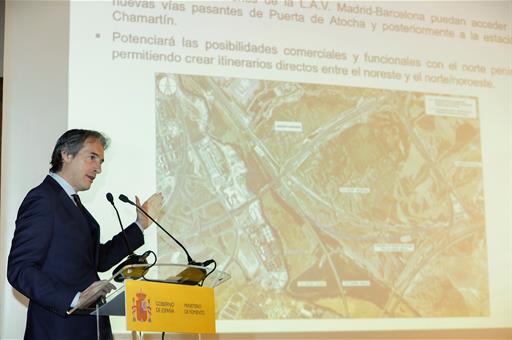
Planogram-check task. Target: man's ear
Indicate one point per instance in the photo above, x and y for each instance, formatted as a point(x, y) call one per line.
point(65, 156)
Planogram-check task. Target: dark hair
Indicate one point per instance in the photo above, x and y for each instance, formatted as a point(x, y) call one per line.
point(72, 142)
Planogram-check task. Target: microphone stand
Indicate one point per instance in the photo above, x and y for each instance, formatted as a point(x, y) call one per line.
point(132, 258)
point(125, 199)
point(191, 275)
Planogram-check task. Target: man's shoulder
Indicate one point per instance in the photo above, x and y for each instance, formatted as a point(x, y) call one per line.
point(47, 188)
point(41, 198)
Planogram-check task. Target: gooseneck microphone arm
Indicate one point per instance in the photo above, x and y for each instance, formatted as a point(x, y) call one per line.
point(110, 198)
point(125, 199)
point(133, 259)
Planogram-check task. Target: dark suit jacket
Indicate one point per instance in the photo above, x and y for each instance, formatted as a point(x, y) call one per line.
point(56, 253)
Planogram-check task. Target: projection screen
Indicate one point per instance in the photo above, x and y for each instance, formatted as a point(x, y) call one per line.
point(346, 162)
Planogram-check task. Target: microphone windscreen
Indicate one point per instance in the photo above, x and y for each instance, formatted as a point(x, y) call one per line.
point(110, 198)
point(125, 199)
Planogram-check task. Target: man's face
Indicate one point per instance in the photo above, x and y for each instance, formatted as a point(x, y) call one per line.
point(81, 170)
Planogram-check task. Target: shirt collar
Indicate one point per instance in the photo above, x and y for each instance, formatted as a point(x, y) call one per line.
point(63, 183)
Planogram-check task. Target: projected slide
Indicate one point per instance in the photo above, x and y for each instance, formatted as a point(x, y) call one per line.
point(325, 201)
point(347, 163)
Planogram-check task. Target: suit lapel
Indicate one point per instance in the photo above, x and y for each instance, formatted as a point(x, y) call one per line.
point(66, 201)
point(87, 223)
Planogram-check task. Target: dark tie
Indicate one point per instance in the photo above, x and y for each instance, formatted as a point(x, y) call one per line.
point(78, 203)
point(80, 207)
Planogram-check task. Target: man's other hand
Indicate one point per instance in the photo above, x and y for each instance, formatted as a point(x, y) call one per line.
point(96, 290)
point(153, 206)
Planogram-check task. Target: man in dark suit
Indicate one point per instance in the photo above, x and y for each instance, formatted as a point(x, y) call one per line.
point(56, 252)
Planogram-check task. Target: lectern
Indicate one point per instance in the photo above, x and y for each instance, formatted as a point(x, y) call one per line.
point(165, 297)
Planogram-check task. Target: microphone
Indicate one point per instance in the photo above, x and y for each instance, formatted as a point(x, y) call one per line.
point(110, 198)
point(190, 276)
point(125, 199)
point(136, 272)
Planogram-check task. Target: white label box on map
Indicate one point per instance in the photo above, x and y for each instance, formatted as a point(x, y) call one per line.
point(313, 284)
point(459, 107)
point(282, 126)
point(354, 190)
point(355, 283)
point(393, 247)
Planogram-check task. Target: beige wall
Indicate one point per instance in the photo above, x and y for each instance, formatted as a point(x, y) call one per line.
point(34, 112)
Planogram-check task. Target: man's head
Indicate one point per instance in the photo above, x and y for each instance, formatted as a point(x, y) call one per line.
point(77, 157)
